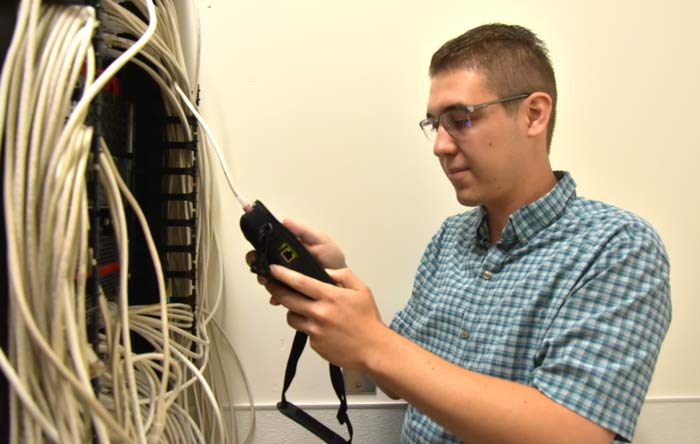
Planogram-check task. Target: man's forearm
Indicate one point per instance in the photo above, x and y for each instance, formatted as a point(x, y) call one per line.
point(472, 406)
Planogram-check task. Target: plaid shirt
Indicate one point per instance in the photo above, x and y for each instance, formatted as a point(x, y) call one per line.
point(573, 300)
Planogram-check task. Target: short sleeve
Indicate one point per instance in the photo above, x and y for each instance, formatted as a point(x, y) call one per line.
point(601, 348)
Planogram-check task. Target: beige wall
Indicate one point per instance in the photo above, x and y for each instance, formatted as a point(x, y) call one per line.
point(317, 104)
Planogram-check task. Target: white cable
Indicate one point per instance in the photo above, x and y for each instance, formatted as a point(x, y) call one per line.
point(11, 56)
point(17, 291)
point(244, 202)
point(80, 110)
point(26, 398)
point(119, 221)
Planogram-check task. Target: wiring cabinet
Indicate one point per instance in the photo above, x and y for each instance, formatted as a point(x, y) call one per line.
point(105, 228)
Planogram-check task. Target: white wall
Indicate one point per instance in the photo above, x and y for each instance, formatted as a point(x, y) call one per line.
point(661, 421)
point(317, 104)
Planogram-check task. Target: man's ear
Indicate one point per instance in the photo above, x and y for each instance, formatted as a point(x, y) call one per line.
point(538, 109)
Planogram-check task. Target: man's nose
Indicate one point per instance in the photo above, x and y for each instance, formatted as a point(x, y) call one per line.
point(444, 143)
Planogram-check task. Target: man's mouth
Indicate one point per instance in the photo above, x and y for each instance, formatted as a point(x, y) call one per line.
point(456, 172)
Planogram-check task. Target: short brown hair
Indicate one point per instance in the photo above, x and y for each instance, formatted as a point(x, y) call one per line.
point(512, 58)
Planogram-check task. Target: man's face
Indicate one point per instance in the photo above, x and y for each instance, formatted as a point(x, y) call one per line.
point(484, 163)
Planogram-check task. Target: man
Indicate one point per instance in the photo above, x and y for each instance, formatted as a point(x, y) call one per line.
point(536, 317)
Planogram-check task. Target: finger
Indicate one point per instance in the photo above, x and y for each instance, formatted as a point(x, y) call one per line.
point(290, 299)
point(303, 284)
point(307, 234)
point(250, 257)
point(274, 287)
point(297, 321)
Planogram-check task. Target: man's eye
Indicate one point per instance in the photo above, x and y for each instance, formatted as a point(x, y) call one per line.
point(459, 123)
point(456, 120)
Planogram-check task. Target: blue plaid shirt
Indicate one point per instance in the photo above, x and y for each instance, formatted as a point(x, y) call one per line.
point(573, 300)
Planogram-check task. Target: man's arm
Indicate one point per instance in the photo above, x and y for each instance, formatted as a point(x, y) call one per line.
point(345, 328)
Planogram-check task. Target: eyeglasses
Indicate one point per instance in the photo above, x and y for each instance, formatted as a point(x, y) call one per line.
point(457, 118)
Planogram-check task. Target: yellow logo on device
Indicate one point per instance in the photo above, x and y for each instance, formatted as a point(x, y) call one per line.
point(288, 253)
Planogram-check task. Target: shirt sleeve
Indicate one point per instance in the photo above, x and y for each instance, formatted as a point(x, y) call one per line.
point(601, 348)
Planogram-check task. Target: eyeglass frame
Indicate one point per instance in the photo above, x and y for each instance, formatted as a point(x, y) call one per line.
point(428, 121)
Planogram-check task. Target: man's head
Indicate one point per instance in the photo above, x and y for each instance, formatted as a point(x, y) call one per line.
point(489, 113)
point(511, 58)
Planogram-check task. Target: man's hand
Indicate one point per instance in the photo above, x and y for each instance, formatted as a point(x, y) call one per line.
point(342, 321)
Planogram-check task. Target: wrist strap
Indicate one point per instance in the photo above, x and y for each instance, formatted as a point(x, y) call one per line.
point(262, 266)
point(300, 416)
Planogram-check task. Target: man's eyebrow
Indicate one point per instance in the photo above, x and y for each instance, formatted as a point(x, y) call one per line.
point(458, 105)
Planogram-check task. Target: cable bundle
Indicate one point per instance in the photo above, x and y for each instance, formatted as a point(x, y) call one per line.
point(168, 394)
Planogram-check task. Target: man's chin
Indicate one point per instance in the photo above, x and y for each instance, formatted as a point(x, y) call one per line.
point(467, 199)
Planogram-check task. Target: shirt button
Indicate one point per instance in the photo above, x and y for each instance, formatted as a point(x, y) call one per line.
point(465, 334)
point(523, 240)
point(486, 275)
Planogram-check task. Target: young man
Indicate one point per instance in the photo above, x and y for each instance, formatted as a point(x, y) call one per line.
point(536, 317)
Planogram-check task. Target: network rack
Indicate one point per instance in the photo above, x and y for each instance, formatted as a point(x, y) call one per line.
point(160, 166)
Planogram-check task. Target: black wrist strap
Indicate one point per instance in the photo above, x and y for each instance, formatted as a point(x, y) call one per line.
point(262, 266)
point(301, 417)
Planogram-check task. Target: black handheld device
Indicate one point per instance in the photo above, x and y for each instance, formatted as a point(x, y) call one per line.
point(275, 244)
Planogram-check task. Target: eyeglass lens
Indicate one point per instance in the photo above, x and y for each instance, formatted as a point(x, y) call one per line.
point(454, 121)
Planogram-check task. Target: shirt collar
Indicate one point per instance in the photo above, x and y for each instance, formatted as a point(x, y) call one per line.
point(526, 222)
